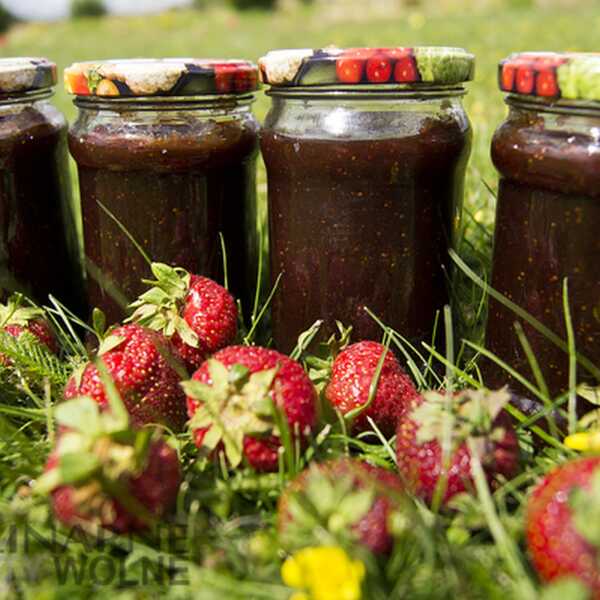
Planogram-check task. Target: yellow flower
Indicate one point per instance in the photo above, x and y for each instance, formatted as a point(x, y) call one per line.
point(589, 442)
point(323, 573)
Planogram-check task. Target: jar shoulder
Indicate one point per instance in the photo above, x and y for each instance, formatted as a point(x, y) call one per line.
point(359, 120)
point(550, 151)
point(158, 140)
point(30, 122)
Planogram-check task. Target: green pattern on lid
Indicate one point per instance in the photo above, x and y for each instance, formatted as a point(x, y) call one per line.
point(572, 76)
point(367, 66)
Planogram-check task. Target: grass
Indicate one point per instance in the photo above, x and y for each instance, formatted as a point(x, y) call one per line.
point(225, 546)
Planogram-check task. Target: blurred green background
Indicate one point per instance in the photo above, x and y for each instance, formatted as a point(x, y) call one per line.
point(490, 29)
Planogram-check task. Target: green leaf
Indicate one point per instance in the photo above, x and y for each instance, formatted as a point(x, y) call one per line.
point(356, 505)
point(233, 442)
point(77, 467)
point(219, 376)
point(99, 322)
point(211, 439)
point(186, 333)
point(585, 509)
point(171, 280)
point(197, 390)
point(566, 588)
point(119, 417)
point(82, 414)
point(110, 343)
point(589, 393)
point(238, 375)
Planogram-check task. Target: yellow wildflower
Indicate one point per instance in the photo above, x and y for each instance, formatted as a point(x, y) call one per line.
point(323, 573)
point(584, 441)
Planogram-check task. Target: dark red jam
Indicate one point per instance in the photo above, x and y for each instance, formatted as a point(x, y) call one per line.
point(174, 180)
point(38, 243)
point(546, 230)
point(363, 223)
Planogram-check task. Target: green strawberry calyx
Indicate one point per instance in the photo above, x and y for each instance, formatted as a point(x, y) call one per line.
point(97, 453)
point(236, 404)
point(14, 313)
point(585, 510)
point(328, 505)
point(95, 444)
point(320, 365)
point(468, 414)
point(159, 308)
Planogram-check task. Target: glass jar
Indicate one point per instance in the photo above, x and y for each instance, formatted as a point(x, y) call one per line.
point(38, 238)
point(548, 155)
point(365, 153)
point(166, 152)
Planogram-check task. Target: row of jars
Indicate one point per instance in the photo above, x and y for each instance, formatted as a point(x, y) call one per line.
point(365, 153)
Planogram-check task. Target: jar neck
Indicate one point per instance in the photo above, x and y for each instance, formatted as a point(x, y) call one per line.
point(368, 92)
point(564, 107)
point(208, 104)
point(25, 97)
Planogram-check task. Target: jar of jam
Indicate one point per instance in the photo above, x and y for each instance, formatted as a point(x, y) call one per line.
point(548, 155)
point(38, 238)
point(166, 151)
point(365, 152)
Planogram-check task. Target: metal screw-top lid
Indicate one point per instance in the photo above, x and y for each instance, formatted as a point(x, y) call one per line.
point(573, 76)
point(20, 75)
point(161, 77)
point(420, 65)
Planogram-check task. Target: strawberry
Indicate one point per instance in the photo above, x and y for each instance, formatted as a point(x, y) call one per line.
point(350, 70)
point(379, 69)
point(17, 320)
point(102, 473)
point(507, 80)
point(475, 415)
point(224, 77)
point(144, 369)
point(546, 83)
point(196, 313)
point(406, 70)
point(353, 373)
point(341, 497)
point(561, 523)
point(231, 401)
point(525, 80)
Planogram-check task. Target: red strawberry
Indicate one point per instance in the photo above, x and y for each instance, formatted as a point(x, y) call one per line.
point(246, 78)
point(350, 70)
point(103, 473)
point(508, 77)
point(347, 496)
point(379, 69)
point(525, 80)
point(144, 369)
point(351, 378)
point(224, 77)
point(196, 313)
point(561, 523)
point(405, 70)
point(474, 414)
point(546, 83)
point(16, 319)
point(230, 401)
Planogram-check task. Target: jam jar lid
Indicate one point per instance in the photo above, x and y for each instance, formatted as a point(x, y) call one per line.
point(422, 65)
point(23, 74)
point(571, 75)
point(161, 77)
